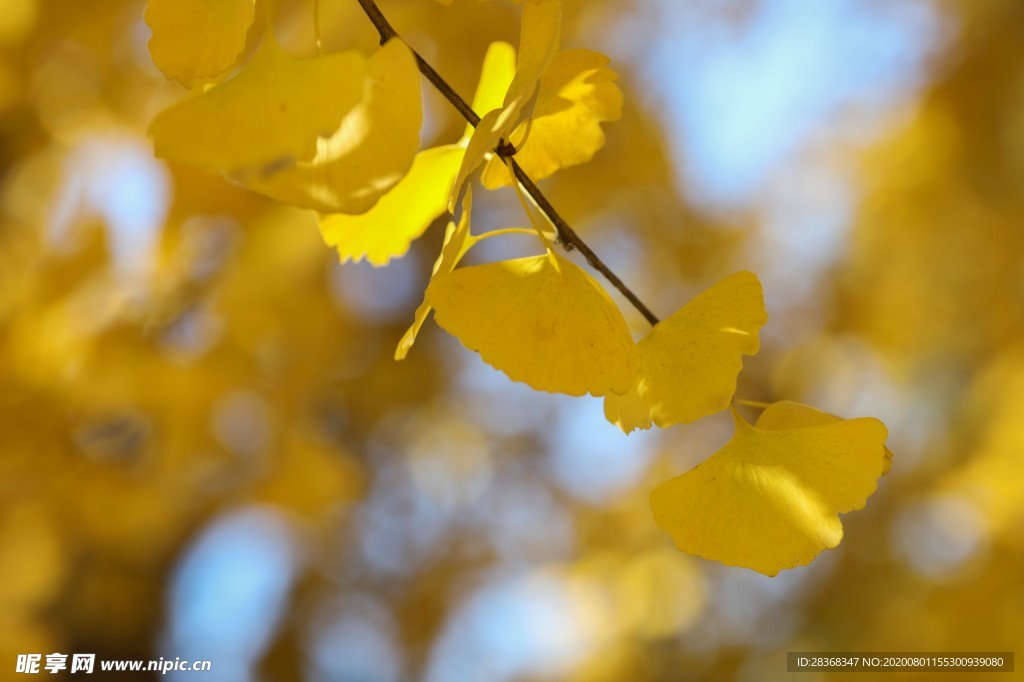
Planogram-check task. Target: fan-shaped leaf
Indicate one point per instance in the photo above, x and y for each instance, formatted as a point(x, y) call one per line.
point(689, 362)
point(541, 320)
point(771, 498)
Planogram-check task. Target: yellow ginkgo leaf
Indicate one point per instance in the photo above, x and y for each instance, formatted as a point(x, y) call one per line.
point(576, 94)
point(457, 241)
point(403, 214)
point(689, 362)
point(486, 136)
point(539, 37)
point(267, 116)
point(408, 209)
point(771, 498)
point(541, 320)
point(540, 33)
point(496, 75)
point(196, 39)
point(369, 152)
point(787, 414)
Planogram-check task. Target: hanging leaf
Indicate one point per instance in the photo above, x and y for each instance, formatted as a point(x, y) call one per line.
point(771, 498)
point(408, 209)
point(496, 75)
point(538, 42)
point(457, 241)
point(370, 151)
point(787, 414)
point(575, 96)
point(689, 362)
point(539, 37)
point(541, 320)
point(268, 116)
point(401, 216)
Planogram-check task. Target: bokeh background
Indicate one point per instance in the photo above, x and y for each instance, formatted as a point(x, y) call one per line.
point(206, 450)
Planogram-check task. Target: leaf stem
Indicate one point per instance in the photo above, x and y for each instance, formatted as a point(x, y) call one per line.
point(566, 235)
point(528, 231)
point(387, 32)
point(534, 220)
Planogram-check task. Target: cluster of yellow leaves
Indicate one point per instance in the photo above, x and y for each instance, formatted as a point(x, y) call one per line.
point(331, 133)
point(574, 96)
point(339, 134)
point(538, 42)
point(386, 231)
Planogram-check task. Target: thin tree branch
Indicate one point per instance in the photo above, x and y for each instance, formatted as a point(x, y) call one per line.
point(566, 235)
point(387, 32)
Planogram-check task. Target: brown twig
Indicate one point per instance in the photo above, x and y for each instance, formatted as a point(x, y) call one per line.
point(566, 235)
